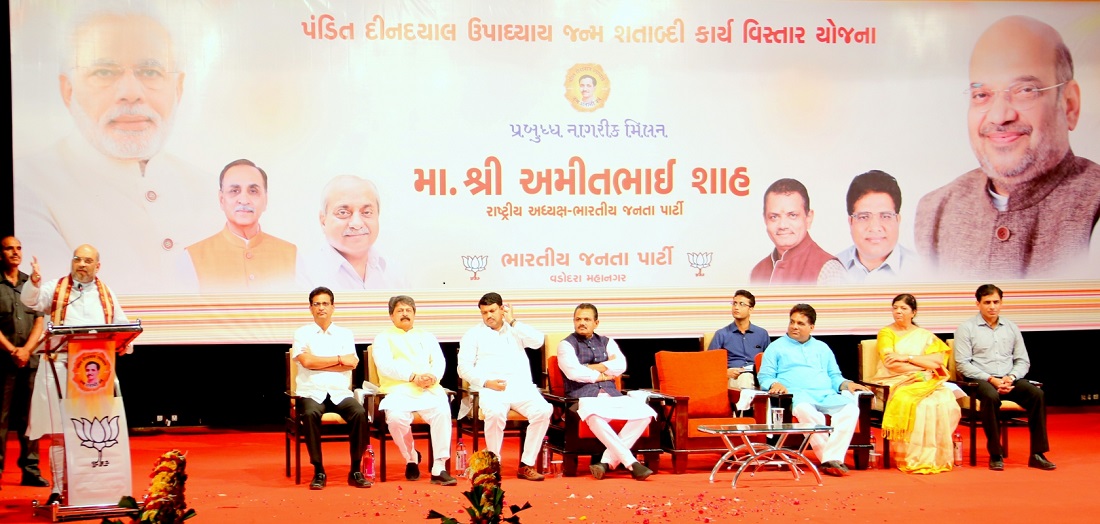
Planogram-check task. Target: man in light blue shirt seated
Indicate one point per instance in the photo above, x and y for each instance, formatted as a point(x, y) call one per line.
point(874, 218)
point(799, 364)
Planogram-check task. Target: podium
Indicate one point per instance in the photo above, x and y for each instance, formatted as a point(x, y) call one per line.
point(79, 362)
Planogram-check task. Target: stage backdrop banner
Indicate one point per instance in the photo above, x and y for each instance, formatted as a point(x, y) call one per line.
point(557, 152)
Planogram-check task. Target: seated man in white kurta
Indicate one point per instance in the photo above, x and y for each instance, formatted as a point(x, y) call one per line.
point(590, 363)
point(492, 360)
point(410, 364)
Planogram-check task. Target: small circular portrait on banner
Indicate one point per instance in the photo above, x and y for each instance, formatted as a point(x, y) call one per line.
point(587, 87)
point(90, 371)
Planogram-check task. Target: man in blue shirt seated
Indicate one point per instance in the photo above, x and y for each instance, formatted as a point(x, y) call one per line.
point(742, 341)
point(805, 367)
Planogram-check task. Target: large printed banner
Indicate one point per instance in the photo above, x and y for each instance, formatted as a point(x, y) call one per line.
point(652, 157)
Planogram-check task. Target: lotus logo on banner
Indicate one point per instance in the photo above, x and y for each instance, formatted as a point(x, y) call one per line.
point(475, 264)
point(97, 433)
point(700, 261)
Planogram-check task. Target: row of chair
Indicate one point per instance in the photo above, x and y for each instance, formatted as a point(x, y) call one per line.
point(333, 426)
point(689, 390)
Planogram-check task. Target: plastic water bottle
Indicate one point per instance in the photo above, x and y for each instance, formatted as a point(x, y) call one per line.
point(544, 464)
point(872, 461)
point(367, 464)
point(957, 443)
point(460, 459)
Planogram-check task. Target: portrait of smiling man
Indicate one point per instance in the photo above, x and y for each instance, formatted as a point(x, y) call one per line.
point(796, 259)
point(349, 219)
point(121, 81)
point(1031, 208)
point(241, 257)
point(874, 219)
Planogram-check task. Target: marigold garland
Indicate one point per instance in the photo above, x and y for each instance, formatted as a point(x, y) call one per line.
point(485, 495)
point(164, 504)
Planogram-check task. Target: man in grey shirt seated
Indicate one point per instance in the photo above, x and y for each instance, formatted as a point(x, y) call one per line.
point(990, 350)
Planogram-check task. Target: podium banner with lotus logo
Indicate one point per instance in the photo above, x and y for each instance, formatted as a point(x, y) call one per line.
point(97, 446)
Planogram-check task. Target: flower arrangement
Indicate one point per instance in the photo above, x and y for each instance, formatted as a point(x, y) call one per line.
point(164, 504)
point(485, 495)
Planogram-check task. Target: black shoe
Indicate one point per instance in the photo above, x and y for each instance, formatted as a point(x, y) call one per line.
point(55, 498)
point(598, 470)
point(34, 481)
point(843, 467)
point(639, 471)
point(319, 481)
point(1040, 462)
point(444, 479)
point(997, 463)
point(833, 468)
point(412, 469)
point(356, 478)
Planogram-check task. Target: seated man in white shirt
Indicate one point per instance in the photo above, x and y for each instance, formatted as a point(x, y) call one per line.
point(590, 363)
point(410, 364)
point(492, 360)
point(325, 354)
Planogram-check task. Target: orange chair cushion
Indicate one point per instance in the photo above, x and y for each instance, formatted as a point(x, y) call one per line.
point(698, 375)
point(557, 378)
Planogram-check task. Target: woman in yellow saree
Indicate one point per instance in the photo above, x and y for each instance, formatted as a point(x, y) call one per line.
point(922, 412)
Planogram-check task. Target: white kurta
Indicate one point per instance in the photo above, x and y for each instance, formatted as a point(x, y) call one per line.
point(399, 354)
point(319, 383)
point(617, 408)
point(71, 194)
point(487, 354)
point(84, 309)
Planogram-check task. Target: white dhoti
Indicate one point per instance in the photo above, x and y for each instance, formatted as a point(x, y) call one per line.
point(434, 408)
point(45, 418)
point(528, 401)
point(844, 419)
point(598, 412)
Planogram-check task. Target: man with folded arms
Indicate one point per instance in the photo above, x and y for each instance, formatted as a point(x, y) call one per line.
point(590, 363)
point(492, 360)
point(410, 363)
point(805, 367)
point(990, 351)
point(325, 355)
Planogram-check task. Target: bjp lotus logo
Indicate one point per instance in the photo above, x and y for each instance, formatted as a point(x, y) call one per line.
point(699, 261)
point(97, 433)
point(475, 265)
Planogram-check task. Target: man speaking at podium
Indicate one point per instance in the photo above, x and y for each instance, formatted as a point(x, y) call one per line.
point(77, 299)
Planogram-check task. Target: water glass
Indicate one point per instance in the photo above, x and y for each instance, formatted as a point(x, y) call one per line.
point(776, 416)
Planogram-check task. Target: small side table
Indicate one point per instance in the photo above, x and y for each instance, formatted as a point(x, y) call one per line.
point(759, 454)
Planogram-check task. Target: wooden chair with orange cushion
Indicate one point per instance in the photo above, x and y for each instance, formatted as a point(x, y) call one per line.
point(697, 384)
point(571, 437)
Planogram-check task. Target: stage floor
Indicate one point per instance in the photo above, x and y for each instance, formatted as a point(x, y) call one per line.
point(237, 477)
